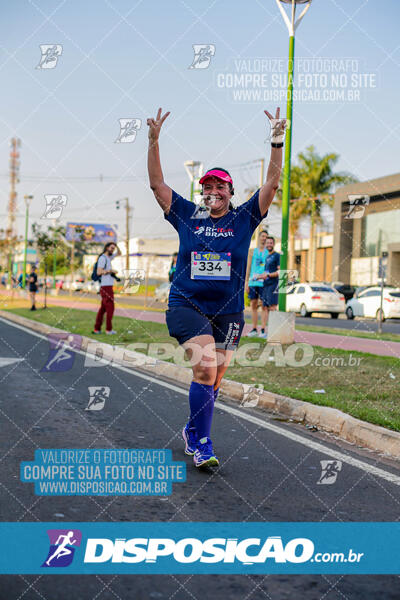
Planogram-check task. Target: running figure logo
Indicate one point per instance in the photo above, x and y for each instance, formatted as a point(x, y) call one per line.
point(133, 279)
point(287, 278)
point(251, 394)
point(202, 55)
point(63, 543)
point(128, 130)
point(54, 206)
point(357, 206)
point(97, 397)
point(201, 212)
point(62, 351)
point(50, 55)
point(330, 470)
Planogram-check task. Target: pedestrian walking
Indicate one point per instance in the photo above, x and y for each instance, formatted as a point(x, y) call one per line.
point(108, 276)
point(33, 286)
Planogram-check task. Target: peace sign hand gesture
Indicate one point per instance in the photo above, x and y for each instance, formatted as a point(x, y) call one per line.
point(155, 125)
point(278, 127)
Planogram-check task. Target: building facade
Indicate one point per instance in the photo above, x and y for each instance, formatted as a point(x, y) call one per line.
point(323, 266)
point(151, 256)
point(364, 229)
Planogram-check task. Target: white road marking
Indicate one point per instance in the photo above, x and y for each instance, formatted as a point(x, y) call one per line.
point(319, 447)
point(9, 361)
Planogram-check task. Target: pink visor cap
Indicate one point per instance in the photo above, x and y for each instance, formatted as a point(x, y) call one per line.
point(218, 174)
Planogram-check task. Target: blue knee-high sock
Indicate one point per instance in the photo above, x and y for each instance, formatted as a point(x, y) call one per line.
point(201, 400)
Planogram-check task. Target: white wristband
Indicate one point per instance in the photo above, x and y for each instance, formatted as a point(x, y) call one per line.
point(277, 131)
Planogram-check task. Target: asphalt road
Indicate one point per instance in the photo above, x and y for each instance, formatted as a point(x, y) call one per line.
point(358, 324)
point(264, 476)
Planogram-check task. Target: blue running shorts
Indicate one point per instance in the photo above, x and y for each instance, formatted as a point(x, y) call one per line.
point(185, 322)
point(255, 292)
point(270, 295)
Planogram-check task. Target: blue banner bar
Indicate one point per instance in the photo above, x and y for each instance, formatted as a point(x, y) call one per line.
point(199, 548)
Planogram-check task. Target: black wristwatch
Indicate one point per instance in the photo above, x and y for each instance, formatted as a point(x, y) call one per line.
point(280, 145)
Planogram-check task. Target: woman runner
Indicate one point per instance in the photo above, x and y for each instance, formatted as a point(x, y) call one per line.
point(206, 301)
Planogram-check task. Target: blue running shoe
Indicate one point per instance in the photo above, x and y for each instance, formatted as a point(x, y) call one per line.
point(204, 455)
point(190, 439)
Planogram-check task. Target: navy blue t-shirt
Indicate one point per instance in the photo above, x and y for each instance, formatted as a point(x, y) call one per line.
point(272, 263)
point(229, 234)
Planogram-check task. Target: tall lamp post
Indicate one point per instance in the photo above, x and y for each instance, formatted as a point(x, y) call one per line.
point(292, 23)
point(54, 254)
point(194, 169)
point(128, 211)
point(27, 201)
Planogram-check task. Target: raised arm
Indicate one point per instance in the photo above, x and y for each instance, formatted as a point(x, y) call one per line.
point(161, 190)
point(268, 190)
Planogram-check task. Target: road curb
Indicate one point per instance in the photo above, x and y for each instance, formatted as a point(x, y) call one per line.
point(324, 418)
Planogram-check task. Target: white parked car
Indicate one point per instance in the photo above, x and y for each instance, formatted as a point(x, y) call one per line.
point(307, 298)
point(368, 304)
point(76, 285)
point(91, 286)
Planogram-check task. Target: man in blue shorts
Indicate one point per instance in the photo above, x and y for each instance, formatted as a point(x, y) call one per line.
point(254, 286)
point(270, 294)
point(206, 301)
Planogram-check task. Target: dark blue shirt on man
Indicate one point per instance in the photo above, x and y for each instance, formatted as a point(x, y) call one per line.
point(272, 263)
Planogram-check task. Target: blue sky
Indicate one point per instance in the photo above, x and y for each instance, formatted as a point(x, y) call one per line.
point(123, 59)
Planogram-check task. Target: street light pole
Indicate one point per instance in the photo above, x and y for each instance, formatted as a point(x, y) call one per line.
point(260, 227)
point(292, 25)
point(128, 216)
point(382, 269)
point(54, 255)
point(128, 210)
point(27, 200)
point(194, 169)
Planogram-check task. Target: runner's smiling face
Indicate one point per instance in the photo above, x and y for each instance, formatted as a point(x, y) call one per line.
point(220, 189)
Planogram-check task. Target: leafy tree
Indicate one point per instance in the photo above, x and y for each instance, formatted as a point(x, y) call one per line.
point(8, 244)
point(317, 184)
point(312, 183)
point(45, 242)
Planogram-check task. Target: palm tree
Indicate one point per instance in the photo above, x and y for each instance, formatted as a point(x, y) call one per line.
point(297, 209)
point(318, 180)
point(312, 182)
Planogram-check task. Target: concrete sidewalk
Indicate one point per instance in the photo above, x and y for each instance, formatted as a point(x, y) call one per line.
point(345, 342)
point(325, 340)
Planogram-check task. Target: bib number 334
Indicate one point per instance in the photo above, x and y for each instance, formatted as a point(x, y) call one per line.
point(213, 266)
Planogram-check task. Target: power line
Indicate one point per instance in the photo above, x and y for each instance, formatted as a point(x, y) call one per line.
point(252, 164)
point(84, 178)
